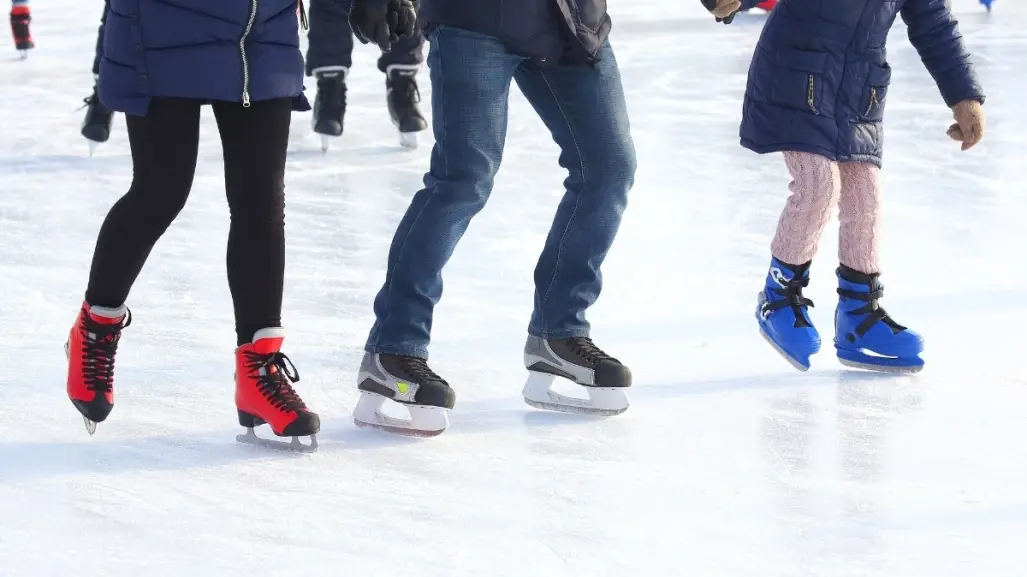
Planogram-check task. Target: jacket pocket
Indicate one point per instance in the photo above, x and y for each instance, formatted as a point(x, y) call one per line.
point(798, 80)
point(871, 106)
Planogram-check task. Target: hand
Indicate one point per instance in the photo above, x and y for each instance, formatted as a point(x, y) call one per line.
point(382, 22)
point(724, 10)
point(969, 125)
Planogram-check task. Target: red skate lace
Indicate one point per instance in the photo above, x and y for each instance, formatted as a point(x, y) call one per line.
point(99, 346)
point(275, 381)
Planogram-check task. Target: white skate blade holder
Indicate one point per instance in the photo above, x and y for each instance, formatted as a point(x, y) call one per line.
point(409, 140)
point(424, 421)
point(251, 438)
point(601, 401)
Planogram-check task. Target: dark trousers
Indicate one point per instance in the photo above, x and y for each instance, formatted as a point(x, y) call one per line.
point(584, 109)
point(99, 39)
point(164, 145)
point(330, 40)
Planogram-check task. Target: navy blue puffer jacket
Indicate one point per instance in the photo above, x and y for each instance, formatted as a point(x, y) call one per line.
point(819, 78)
point(233, 50)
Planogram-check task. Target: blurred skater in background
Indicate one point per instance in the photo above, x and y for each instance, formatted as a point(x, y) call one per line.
point(329, 58)
point(817, 88)
point(20, 19)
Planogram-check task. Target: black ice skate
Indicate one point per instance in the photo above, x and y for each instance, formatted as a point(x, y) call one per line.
point(330, 103)
point(580, 361)
point(96, 127)
point(403, 96)
point(410, 382)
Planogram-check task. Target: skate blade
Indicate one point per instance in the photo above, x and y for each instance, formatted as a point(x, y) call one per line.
point(92, 148)
point(409, 140)
point(326, 143)
point(894, 369)
point(601, 401)
point(791, 360)
point(424, 421)
point(90, 426)
point(251, 438)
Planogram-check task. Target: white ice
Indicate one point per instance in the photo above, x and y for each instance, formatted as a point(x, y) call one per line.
point(729, 462)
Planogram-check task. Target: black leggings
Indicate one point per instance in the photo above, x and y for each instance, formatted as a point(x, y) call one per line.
point(164, 146)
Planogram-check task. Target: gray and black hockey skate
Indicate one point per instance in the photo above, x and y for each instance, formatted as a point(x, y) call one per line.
point(411, 383)
point(330, 103)
point(403, 96)
point(580, 361)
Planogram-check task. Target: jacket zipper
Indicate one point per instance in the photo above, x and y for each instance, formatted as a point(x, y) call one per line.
point(873, 101)
point(242, 52)
point(810, 93)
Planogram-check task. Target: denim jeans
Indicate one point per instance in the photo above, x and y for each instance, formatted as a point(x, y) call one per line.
point(584, 109)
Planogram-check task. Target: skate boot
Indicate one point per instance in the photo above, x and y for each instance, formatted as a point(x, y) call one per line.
point(402, 95)
point(96, 127)
point(264, 394)
point(580, 361)
point(91, 348)
point(767, 5)
point(330, 103)
point(783, 315)
point(865, 336)
point(411, 383)
point(20, 19)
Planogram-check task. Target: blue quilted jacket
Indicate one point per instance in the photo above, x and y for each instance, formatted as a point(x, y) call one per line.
point(233, 50)
point(819, 78)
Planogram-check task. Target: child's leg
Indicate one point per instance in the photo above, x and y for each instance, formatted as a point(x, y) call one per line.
point(255, 140)
point(859, 217)
point(164, 145)
point(815, 187)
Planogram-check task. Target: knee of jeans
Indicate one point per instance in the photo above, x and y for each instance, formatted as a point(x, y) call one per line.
point(615, 166)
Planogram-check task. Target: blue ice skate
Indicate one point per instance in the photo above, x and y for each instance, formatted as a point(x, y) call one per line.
point(987, 4)
point(783, 316)
point(865, 336)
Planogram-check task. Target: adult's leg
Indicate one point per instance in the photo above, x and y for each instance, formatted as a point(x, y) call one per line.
point(329, 39)
point(859, 217)
point(815, 187)
point(164, 145)
point(470, 76)
point(585, 111)
point(255, 141)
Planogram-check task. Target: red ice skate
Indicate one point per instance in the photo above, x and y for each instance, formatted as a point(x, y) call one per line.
point(264, 394)
point(767, 5)
point(20, 18)
point(91, 348)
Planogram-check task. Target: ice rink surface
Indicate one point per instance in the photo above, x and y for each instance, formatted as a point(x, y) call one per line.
point(728, 464)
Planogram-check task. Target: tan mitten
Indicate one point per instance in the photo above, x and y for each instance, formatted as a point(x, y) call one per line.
point(725, 8)
point(969, 125)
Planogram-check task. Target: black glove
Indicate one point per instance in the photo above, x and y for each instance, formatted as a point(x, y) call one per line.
point(382, 22)
point(711, 5)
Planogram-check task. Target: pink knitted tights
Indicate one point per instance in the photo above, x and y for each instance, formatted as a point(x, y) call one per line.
point(817, 183)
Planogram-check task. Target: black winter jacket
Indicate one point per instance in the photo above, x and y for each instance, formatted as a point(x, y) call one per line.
point(547, 30)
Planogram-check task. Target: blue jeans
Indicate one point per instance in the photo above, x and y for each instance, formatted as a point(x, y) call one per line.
point(584, 109)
